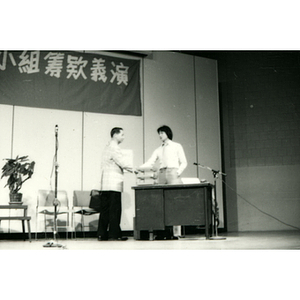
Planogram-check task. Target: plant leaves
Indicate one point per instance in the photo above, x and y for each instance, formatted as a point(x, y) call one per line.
point(15, 169)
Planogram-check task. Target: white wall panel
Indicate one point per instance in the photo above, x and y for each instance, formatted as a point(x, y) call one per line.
point(6, 112)
point(174, 88)
point(34, 135)
point(169, 100)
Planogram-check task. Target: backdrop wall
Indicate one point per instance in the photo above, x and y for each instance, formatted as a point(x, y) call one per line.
point(174, 90)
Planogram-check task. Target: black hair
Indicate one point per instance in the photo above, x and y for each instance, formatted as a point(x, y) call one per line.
point(115, 130)
point(167, 130)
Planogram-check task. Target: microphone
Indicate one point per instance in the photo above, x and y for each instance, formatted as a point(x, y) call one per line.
point(56, 129)
point(214, 171)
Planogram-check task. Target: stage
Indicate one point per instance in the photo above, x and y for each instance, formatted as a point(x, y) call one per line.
point(271, 240)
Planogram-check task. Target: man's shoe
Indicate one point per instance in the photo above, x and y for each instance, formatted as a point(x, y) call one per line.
point(100, 238)
point(123, 238)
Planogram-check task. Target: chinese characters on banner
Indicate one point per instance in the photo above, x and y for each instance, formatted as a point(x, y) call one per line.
point(71, 81)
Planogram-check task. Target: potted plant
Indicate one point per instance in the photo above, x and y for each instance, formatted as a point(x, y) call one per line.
point(17, 170)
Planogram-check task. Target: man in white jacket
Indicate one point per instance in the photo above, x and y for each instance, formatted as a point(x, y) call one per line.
point(113, 165)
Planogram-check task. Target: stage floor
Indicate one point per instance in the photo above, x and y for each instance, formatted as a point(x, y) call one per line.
point(257, 272)
point(271, 240)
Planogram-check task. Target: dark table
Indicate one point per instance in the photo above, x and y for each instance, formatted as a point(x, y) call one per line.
point(158, 206)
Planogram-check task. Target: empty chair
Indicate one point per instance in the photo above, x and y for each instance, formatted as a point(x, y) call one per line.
point(45, 206)
point(81, 201)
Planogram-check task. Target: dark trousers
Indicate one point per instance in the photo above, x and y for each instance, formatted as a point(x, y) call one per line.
point(110, 215)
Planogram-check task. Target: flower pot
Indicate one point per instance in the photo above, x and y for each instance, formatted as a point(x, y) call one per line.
point(15, 198)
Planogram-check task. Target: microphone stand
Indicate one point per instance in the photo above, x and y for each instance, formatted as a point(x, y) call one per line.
point(216, 207)
point(54, 243)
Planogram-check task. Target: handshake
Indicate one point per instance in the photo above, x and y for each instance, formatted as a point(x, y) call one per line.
point(143, 171)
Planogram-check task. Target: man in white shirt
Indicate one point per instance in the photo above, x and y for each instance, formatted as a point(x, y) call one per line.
point(171, 158)
point(172, 161)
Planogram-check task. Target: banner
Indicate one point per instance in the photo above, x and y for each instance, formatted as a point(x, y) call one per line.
point(70, 80)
